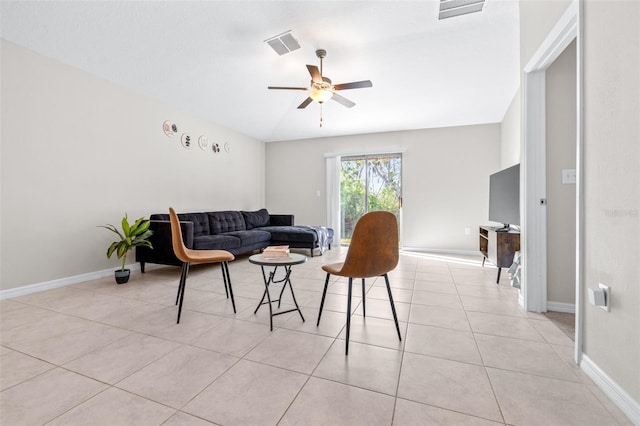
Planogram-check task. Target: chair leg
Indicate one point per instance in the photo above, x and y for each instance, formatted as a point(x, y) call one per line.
point(183, 285)
point(224, 279)
point(364, 307)
point(346, 348)
point(393, 307)
point(324, 293)
point(183, 278)
point(225, 266)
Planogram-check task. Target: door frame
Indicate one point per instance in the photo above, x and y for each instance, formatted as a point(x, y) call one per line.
point(533, 179)
point(366, 157)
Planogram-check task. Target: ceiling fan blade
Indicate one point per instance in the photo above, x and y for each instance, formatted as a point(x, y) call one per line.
point(342, 100)
point(286, 88)
point(305, 103)
point(354, 85)
point(315, 73)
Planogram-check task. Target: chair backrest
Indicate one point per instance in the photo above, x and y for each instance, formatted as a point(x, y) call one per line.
point(179, 248)
point(373, 250)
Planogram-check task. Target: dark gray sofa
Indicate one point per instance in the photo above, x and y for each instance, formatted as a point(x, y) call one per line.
point(238, 232)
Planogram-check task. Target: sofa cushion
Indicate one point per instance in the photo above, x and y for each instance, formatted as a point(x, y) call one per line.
point(200, 221)
point(226, 221)
point(248, 238)
point(216, 242)
point(256, 219)
point(291, 233)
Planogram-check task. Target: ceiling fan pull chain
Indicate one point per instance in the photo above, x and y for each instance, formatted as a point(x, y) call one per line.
point(320, 115)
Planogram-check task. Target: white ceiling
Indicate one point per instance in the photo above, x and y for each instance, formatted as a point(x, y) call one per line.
point(210, 58)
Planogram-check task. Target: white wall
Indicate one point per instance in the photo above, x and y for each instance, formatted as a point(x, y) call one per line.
point(511, 133)
point(445, 180)
point(79, 151)
point(537, 19)
point(611, 149)
point(612, 187)
point(561, 198)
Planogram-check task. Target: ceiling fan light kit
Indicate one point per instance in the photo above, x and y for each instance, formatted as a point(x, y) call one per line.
point(322, 89)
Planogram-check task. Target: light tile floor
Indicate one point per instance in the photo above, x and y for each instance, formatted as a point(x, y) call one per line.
point(100, 353)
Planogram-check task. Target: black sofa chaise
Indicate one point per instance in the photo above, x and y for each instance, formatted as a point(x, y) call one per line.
point(238, 232)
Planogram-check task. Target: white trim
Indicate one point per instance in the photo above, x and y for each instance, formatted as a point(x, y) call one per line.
point(61, 282)
point(534, 236)
point(569, 308)
point(534, 231)
point(579, 187)
point(618, 395)
point(442, 251)
point(333, 197)
point(562, 34)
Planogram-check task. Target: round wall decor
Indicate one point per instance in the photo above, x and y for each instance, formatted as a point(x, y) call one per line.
point(227, 147)
point(203, 142)
point(185, 140)
point(169, 128)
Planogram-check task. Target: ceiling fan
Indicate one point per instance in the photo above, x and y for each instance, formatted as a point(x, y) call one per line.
point(321, 89)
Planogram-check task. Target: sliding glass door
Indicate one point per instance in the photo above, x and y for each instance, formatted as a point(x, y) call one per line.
point(369, 183)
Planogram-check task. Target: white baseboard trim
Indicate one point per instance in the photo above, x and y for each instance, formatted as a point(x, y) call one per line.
point(442, 251)
point(569, 308)
point(619, 396)
point(61, 282)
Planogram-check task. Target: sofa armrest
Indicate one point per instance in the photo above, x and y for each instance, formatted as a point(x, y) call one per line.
point(162, 252)
point(280, 220)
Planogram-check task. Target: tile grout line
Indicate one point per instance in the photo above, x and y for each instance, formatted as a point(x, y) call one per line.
point(484, 368)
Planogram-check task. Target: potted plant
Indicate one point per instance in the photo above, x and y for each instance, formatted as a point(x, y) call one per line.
point(131, 236)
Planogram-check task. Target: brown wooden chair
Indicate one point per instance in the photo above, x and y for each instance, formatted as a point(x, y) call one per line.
point(373, 252)
point(188, 256)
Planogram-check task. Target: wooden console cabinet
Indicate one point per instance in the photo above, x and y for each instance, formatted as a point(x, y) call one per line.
point(498, 247)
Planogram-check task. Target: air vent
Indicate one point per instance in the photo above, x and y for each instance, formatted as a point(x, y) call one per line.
point(451, 8)
point(283, 43)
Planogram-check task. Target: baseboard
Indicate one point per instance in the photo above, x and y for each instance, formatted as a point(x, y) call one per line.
point(442, 251)
point(61, 282)
point(619, 396)
point(569, 308)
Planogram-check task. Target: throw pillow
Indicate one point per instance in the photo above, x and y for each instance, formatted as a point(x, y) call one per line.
point(256, 219)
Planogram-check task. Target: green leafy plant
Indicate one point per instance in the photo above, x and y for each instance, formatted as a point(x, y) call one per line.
point(131, 236)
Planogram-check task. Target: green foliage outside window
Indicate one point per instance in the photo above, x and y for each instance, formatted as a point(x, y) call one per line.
point(374, 179)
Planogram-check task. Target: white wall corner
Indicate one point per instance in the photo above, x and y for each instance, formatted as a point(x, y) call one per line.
point(619, 396)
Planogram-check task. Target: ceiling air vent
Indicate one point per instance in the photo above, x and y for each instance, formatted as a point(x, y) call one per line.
point(451, 8)
point(283, 43)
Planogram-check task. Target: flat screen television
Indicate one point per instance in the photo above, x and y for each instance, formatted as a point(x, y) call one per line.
point(504, 197)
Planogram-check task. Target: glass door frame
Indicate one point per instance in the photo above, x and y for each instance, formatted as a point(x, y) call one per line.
point(366, 158)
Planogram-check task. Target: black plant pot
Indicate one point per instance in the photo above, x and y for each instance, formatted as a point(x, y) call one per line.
point(122, 276)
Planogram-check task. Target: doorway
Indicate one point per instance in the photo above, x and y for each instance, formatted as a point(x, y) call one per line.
point(533, 180)
point(369, 183)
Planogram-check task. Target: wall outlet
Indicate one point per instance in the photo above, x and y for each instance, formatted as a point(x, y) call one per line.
point(568, 176)
point(467, 230)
